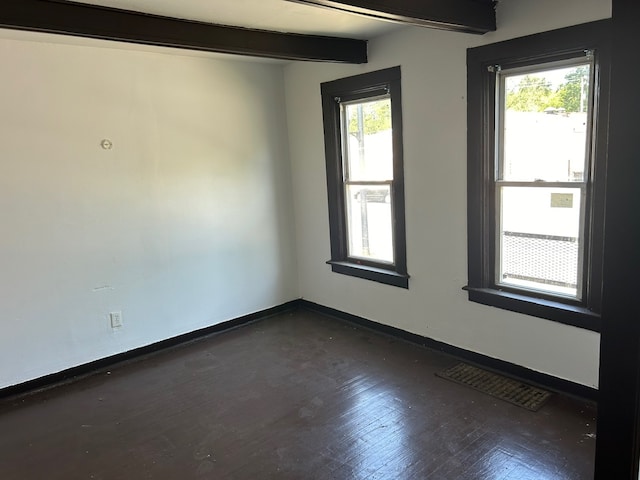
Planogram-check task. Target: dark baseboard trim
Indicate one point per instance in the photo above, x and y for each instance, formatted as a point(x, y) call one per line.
point(499, 366)
point(86, 369)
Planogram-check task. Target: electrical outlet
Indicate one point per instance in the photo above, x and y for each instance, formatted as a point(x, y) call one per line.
point(116, 319)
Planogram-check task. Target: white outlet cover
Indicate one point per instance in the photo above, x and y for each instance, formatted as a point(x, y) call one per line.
point(116, 319)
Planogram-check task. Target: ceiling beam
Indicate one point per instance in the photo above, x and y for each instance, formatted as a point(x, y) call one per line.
point(470, 16)
point(77, 19)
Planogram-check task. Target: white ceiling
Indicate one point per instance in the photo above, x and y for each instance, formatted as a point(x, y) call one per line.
point(278, 15)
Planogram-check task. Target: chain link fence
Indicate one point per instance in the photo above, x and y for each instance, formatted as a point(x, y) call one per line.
point(547, 259)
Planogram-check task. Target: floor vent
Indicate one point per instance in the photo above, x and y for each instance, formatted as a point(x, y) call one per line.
point(504, 388)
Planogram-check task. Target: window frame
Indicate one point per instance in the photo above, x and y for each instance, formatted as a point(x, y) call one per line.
point(349, 89)
point(537, 49)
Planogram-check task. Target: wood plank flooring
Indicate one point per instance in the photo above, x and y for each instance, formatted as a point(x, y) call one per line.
point(295, 396)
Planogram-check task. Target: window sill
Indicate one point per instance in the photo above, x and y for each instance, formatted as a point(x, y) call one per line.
point(377, 274)
point(555, 311)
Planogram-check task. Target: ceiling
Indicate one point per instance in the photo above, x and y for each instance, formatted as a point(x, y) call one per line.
point(278, 15)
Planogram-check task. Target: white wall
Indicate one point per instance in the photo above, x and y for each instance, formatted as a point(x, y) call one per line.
point(188, 221)
point(434, 114)
point(185, 223)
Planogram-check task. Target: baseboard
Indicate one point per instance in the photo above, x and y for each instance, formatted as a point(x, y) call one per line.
point(541, 379)
point(499, 366)
point(72, 374)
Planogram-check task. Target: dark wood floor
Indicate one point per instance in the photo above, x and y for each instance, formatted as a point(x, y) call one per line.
point(296, 396)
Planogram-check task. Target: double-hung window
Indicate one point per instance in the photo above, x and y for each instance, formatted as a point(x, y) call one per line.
point(544, 124)
point(363, 146)
point(537, 116)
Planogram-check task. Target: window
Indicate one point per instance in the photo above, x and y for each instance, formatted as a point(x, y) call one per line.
point(363, 146)
point(537, 127)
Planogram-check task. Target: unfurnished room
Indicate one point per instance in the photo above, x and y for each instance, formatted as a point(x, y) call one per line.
point(319, 239)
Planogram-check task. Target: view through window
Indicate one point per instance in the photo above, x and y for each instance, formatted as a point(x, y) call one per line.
point(368, 173)
point(543, 124)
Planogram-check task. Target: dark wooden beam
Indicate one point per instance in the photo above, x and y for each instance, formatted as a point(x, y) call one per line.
point(69, 18)
point(470, 16)
point(618, 441)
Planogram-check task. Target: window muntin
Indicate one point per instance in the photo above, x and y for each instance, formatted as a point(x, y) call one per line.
point(543, 126)
point(363, 145)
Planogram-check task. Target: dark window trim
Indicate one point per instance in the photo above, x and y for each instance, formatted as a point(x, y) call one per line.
point(618, 442)
point(539, 48)
point(353, 88)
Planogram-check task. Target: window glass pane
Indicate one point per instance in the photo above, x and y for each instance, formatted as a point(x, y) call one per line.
point(545, 124)
point(369, 146)
point(539, 239)
point(369, 222)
